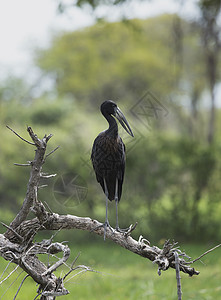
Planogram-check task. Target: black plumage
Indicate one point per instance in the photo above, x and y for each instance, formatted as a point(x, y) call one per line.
point(108, 156)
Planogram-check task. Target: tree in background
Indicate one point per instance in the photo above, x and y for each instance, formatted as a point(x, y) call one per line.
point(175, 171)
point(112, 59)
point(210, 32)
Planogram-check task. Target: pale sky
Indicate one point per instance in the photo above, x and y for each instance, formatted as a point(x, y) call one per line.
point(25, 24)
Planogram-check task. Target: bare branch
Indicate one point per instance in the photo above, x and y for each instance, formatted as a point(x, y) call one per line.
point(36, 167)
point(48, 207)
point(9, 274)
point(76, 258)
point(39, 293)
point(164, 258)
point(205, 253)
point(47, 176)
point(5, 270)
point(11, 284)
point(72, 266)
point(23, 280)
point(42, 186)
point(82, 268)
point(35, 139)
point(48, 137)
point(22, 165)
point(52, 151)
point(30, 143)
point(54, 248)
point(178, 278)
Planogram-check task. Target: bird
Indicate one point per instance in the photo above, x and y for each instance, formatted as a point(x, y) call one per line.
point(108, 157)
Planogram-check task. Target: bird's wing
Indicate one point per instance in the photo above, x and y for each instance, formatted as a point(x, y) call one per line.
point(108, 159)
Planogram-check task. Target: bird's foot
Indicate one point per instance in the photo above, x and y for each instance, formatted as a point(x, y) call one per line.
point(121, 230)
point(126, 231)
point(105, 225)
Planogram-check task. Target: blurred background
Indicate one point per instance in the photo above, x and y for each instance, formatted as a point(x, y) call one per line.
point(160, 61)
point(161, 64)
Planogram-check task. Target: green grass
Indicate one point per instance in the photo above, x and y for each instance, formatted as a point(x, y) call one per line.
point(124, 275)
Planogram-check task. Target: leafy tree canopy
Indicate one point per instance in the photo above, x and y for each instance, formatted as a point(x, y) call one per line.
point(117, 61)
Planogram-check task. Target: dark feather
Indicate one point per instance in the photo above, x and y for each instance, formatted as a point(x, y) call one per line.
point(108, 159)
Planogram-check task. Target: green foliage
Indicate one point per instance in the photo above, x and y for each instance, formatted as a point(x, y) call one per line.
point(177, 175)
point(114, 59)
point(49, 112)
point(172, 179)
point(172, 183)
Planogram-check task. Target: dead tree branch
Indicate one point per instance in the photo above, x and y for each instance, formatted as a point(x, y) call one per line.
point(164, 258)
point(205, 253)
point(30, 143)
point(178, 278)
point(17, 245)
point(23, 280)
point(9, 228)
point(36, 166)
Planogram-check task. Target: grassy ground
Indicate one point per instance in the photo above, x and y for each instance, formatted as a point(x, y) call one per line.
point(123, 275)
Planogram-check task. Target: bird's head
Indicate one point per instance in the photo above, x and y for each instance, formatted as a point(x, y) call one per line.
point(109, 107)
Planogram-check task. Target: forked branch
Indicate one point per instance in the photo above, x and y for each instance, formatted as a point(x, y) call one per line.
point(36, 166)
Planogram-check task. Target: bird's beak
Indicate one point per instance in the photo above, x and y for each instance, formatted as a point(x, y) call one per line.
point(121, 118)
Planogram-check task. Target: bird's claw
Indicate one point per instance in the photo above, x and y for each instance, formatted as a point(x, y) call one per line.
point(126, 231)
point(118, 229)
point(105, 225)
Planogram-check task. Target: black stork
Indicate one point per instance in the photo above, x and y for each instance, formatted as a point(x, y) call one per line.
point(108, 157)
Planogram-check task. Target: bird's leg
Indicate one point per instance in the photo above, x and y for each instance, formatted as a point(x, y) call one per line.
point(116, 201)
point(106, 223)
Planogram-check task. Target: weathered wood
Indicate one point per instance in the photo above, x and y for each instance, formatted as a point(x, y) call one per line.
point(140, 247)
point(31, 194)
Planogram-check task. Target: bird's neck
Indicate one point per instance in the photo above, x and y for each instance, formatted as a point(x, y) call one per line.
point(113, 128)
